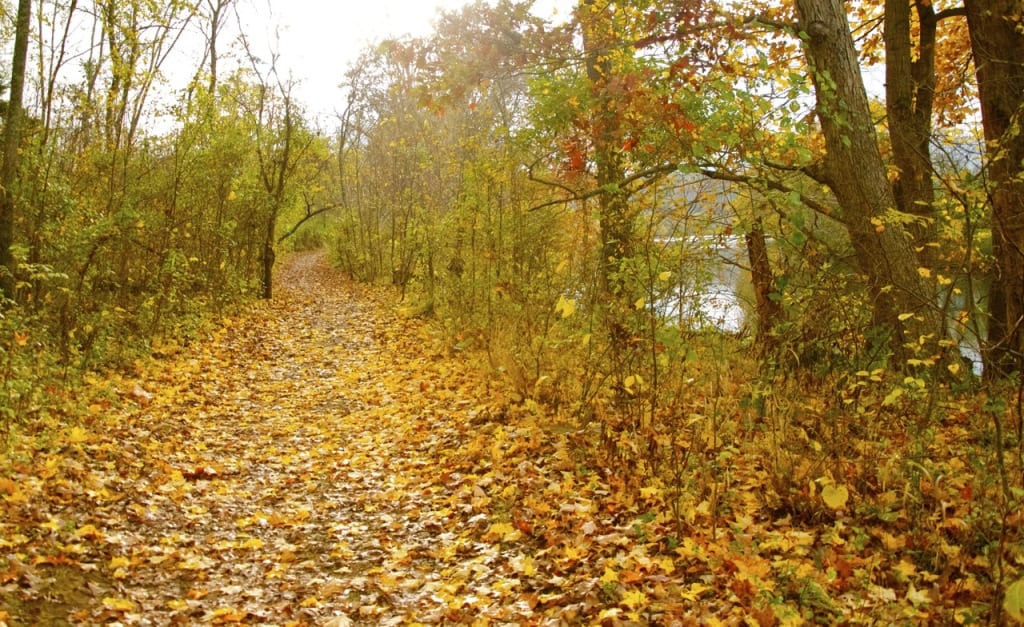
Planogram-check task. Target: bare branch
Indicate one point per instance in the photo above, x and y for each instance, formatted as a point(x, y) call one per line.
point(648, 176)
point(310, 214)
point(772, 184)
point(952, 12)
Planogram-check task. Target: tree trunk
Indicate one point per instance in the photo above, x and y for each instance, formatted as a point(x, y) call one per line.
point(997, 44)
point(12, 136)
point(769, 311)
point(617, 223)
point(218, 9)
point(909, 98)
point(267, 258)
point(855, 171)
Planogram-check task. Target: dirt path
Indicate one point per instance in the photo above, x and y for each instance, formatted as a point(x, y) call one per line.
point(321, 461)
point(293, 469)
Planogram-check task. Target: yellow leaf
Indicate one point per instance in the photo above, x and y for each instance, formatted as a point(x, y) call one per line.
point(251, 543)
point(665, 276)
point(504, 532)
point(52, 525)
point(177, 604)
point(694, 591)
point(119, 562)
point(634, 599)
point(905, 568)
point(609, 576)
point(639, 304)
point(89, 531)
point(925, 273)
point(893, 543)
point(667, 565)
point(118, 605)
point(565, 306)
point(954, 368)
point(310, 602)
point(77, 435)
point(905, 316)
point(892, 397)
point(835, 496)
point(528, 567)
point(918, 597)
point(650, 492)
point(229, 614)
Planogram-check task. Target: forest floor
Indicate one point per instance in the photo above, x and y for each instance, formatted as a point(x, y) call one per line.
point(296, 468)
point(321, 460)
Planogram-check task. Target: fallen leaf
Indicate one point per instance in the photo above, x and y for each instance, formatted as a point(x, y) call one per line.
point(119, 605)
point(835, 496)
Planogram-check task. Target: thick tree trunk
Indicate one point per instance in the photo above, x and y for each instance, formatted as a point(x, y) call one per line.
point(11, 145)
point(998, 47)
point(909, 99)
point(855, 171)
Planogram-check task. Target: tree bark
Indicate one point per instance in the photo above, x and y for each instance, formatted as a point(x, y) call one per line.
point(909, 99)
point(217, 8)
point(856, 173)
point(267, 258)
point(997, 44)
point(12, 137)
point(617, 225)
point(769, 311)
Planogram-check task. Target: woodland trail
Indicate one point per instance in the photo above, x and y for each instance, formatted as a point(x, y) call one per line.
point(321, 460)
point(294, 469)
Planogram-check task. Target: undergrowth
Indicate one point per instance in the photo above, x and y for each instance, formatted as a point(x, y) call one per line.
point(912, 491)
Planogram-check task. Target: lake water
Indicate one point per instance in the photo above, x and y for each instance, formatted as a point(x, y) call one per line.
point(715, 301)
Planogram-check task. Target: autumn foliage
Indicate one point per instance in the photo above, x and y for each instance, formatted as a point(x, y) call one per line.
point(654, 313)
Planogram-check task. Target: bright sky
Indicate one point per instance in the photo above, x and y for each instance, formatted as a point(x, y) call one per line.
point(320, 39)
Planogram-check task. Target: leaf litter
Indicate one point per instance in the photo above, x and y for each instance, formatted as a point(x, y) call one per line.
point(321, 460)
point(302, 467)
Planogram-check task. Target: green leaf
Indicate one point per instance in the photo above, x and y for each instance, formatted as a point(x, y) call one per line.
point(1013, 600)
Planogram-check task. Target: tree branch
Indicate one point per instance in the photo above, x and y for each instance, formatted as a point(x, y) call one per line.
point(310, 213)
point(647, 176)
point(723, 22)
point(773, 184)
point(953, 12)
point(650, 174)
